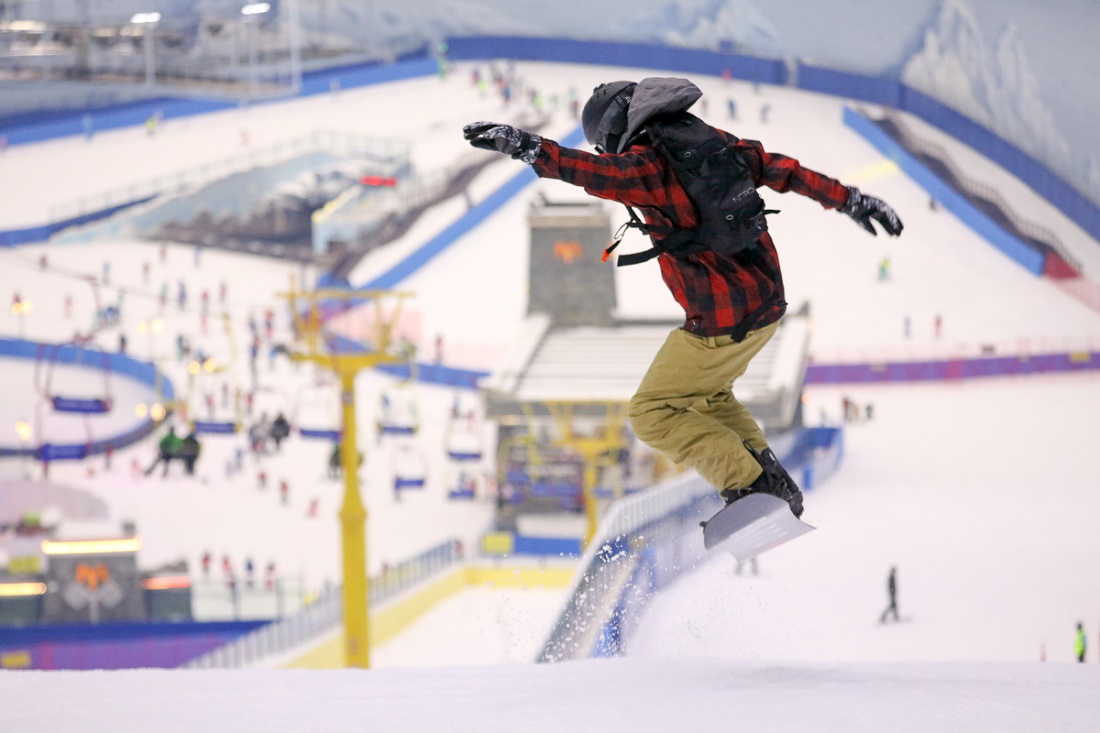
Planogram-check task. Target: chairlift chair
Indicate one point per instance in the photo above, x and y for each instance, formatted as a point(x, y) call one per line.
point(463, 483)
point(45, 364)
point(317, 412)
point(217, 422)
point(398, 413)
point(463, 439)
point(408, 469)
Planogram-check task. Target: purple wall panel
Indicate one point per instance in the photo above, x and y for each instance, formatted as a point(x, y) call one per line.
point(952, 369)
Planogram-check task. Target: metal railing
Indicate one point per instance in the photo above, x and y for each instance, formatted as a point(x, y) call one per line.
point(213, 69)
point(338, 143)
point(213, 600)
point(324, 613)
point(608, 564)
point(974, 188)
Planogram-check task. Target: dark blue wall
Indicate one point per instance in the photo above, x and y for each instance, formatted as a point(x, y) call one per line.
point(120, 646)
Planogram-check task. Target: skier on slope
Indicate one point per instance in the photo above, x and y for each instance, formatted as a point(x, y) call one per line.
point(685, 407)
point(892, 592)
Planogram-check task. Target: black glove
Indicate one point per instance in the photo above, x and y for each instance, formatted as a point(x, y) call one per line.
point(863, 208)
point(503, 139)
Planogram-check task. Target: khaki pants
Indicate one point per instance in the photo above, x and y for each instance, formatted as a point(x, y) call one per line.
point(685, 406)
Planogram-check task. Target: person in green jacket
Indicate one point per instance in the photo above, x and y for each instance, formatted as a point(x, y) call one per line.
point(1079, 644)
point(167, 449)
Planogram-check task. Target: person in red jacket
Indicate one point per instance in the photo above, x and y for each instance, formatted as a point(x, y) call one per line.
point(733, 303)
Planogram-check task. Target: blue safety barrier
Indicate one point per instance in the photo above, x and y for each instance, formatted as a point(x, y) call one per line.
point(552, 546)
point(214, 427)
point(321, 434)
point(48, 452)
point(397, 429)
point(88, 406)
point(880, 90)
point(14, 237)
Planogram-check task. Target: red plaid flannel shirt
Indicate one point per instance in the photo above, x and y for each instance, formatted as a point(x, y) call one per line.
point(717, 292)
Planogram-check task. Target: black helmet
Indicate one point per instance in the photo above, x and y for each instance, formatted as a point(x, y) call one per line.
point(604, 115)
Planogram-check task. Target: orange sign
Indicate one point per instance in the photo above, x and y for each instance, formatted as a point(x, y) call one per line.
point(568, 252)
point(92, 575)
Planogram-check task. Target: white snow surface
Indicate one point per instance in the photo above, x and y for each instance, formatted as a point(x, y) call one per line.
point(979, 492)
point(590, 697)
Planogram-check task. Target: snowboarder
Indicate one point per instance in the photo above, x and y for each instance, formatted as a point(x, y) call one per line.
point(1080, 643)
point(280, 429)
point(270, 576)
point(685, 407)
point(892, 589)
point(334, 461)
point(884, 269)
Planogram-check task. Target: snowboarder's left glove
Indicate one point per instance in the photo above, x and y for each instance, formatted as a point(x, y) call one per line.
point(863, 208)
point(505, 139)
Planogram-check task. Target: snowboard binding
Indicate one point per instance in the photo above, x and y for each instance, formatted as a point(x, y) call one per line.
point(774, 480)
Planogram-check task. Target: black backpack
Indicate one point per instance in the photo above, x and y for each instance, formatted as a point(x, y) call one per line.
point(719, 184)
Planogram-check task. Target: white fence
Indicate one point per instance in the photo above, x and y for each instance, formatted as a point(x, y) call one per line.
point(326, 612)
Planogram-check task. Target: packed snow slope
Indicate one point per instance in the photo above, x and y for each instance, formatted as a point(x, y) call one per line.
point(641, 696)
point(980, 493)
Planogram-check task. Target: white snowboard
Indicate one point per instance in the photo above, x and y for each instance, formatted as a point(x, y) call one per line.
point(753, 525)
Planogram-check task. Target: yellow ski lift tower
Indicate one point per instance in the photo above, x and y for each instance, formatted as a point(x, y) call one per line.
point(604, 440)
point(353, 514)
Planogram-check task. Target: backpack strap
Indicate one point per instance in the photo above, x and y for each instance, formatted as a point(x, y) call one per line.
point(673, 241)
point(634, 223)
point(716, 179)
point(749, 321)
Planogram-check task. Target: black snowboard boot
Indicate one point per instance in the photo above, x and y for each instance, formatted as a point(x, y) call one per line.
point(773, 480)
